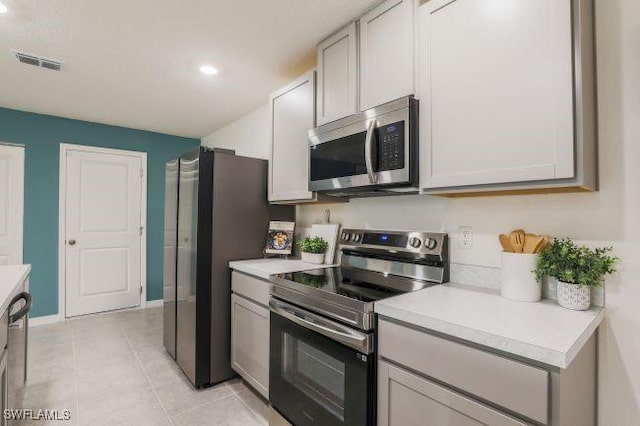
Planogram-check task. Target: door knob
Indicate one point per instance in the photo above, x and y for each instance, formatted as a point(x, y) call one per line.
point(72, 242)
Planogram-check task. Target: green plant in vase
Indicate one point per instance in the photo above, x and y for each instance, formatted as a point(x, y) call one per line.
point(577, 269)
point(313, 249)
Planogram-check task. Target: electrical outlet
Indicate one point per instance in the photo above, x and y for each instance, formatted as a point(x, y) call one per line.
point(466, 237)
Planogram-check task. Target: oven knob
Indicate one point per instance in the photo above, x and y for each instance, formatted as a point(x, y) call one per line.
point(345, 236)
point(415, 242)
point(430, 243)
point(355, 237)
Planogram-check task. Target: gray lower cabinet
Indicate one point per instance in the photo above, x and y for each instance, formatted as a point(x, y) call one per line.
point(250, 331)
point(425, 378)
point(406, 399)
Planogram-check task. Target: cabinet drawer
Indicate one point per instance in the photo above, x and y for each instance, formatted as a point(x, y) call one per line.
point(406, 399)
point(510, 384)
point(250, 287)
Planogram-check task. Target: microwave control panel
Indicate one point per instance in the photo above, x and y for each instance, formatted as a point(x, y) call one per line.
point(391, 146)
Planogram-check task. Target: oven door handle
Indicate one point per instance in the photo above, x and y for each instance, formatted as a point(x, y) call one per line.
point(352, 338)
point(368, 152)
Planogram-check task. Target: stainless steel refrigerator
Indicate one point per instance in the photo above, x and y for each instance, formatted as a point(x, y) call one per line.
point(216, 211)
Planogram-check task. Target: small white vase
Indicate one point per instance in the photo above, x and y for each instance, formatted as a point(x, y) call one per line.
point(573, 296)
point(518, 280)
point(315, 258)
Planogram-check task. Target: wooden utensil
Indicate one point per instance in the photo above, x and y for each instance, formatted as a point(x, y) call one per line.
point(504, 242)
point(516, 240)
point(531, 242)
point(542, 245)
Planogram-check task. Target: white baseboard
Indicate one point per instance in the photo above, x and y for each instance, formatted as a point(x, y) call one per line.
point(49, 319)
point(154, 303)
point(52, 319)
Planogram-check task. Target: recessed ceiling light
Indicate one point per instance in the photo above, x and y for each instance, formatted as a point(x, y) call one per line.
point(208, 70)
point(3, 8)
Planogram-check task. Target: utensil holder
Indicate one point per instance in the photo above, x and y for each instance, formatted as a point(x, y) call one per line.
point(518, 279)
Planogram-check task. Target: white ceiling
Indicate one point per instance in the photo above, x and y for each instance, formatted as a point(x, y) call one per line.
point(135, 63)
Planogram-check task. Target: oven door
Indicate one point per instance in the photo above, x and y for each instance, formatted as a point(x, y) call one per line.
point(373, 148)
point(314, 379)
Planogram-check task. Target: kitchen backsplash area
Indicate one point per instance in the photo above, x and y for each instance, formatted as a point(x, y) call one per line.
point(479, 266)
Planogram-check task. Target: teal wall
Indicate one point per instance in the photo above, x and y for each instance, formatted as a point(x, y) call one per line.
point(42, 135)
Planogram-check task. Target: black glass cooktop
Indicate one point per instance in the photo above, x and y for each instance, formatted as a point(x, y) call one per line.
point(331, 280)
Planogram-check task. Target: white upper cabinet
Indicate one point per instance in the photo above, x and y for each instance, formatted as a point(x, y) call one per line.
point(338, 76)
point(497, 89)
point(292, 115)
point(387, 53)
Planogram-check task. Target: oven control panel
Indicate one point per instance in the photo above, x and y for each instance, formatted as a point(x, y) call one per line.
point(416, 242)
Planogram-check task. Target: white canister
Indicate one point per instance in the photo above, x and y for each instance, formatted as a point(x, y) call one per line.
point(316, 258)
point(518, 277)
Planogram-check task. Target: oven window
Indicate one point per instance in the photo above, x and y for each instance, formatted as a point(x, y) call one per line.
point(316, 374)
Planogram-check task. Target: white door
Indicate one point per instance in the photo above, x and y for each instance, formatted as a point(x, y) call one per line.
point(103, 234)
point(11, 203)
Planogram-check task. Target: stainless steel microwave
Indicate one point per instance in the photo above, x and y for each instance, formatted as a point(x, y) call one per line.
point(371, 153)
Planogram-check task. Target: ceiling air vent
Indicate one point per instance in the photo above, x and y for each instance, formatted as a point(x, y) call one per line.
point(38, 61)
point(50, 65)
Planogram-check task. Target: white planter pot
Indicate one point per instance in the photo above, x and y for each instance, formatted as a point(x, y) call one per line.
point(573, 296)
point(315, 258)
point(518, 279)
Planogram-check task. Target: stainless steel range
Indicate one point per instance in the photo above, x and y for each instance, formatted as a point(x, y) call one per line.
point(322, 367)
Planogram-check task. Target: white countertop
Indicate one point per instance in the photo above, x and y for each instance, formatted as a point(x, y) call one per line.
point(541, 331)
point(10, 277)
point(262, 268)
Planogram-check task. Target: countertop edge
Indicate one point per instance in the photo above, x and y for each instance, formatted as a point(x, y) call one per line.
point(577, 346)
point(499, 343)
point(247, 268)
point(23, 276)
point(250, 271)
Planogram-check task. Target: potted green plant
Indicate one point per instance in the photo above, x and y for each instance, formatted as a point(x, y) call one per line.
point(577, 269)
point(313, 249)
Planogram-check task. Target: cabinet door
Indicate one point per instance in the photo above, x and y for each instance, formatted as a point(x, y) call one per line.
point(337, 76)
point(11, 203)
point(250, 342)
point(292, 115)
point(386, 53)
point(406, 399)
point(497, 82)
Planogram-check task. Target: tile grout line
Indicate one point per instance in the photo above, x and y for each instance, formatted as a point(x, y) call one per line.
point(232, 393)
point(146, 376)
point(204, 404)
point(236, 394)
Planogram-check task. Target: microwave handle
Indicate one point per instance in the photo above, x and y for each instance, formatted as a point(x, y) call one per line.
point(368, 152)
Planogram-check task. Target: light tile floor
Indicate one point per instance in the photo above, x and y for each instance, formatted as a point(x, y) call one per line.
point(112, 369)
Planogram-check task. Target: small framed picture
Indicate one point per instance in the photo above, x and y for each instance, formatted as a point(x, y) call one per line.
point(280, 237)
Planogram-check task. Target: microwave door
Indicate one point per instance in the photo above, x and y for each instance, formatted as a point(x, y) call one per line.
point(339, 163)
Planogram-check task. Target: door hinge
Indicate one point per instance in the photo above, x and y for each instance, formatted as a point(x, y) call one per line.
point(140, 290)
point(141, 172)
point(141, 228)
